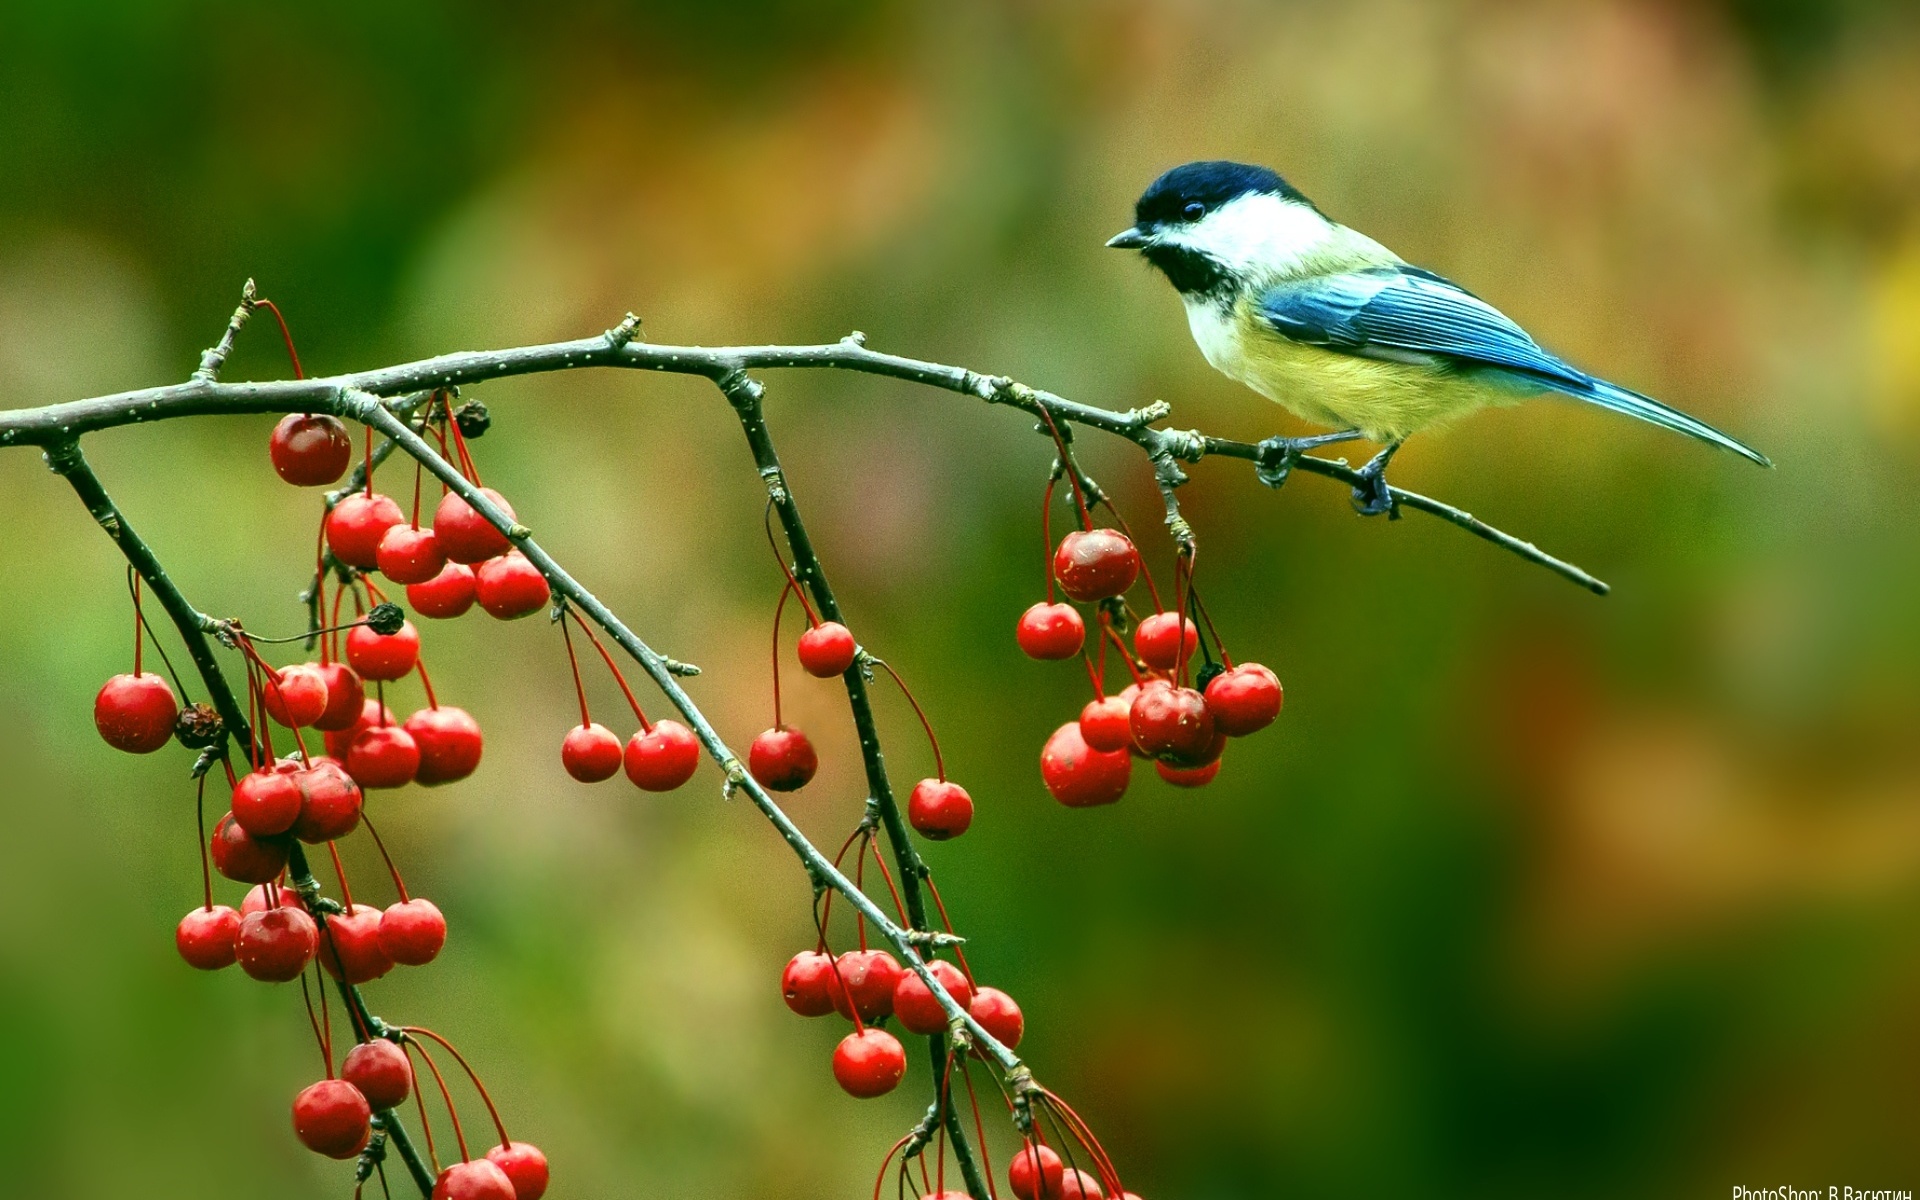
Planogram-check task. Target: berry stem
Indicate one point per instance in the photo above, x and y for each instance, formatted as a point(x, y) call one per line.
point(813, 619)
point(1066, 464)
point(459, 1135)
point(939, 763)
point(498, 1124)
point(399, 884)
point(579, 689)
point(1046, 533)
point(786, 589)
point(340, 873)
point(200, 820)
point(420, 1099)
point(286, 334)
point(887, 875)
point(420, 665)
point(1200, 606)
point(618, 678)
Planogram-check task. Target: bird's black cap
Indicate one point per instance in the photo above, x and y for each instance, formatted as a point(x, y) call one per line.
point(1209, 184)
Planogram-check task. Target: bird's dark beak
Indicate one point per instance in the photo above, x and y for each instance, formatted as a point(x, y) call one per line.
point(1127, 239)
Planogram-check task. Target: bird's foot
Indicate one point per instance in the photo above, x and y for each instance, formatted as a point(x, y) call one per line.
point(1372, 496)
point(1277, 455)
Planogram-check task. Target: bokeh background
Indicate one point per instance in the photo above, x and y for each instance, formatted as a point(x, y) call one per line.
point(1527, 893)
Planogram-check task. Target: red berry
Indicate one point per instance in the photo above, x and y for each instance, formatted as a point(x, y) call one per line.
point(466, 536)
point(525, 1167)
point(1095, 564)
point(409, 554)
point(205, 936)
point(1078, 1185)
point(258, 901)
point(135, 713)
point(1035, 1173)
point(310, 449)
point(865, 983)
point(383, 756)
point(1079, 776)
point(939, 810)
point(295, 695)
point(381, 1071)
point(350, 946)
point(446, 595)
point(412, 932)
point(356, 525)
point(664, 757)
point(371, 713)
point(827, 649)
point(277, 944)
point(1207, 757)
point(1103, 724)
point(242, 857)
point(1171, 721)
point(509, 586)
point(1188, 777)
point(807, 984)
point(1244, 699)
point(869, 1063)
point(267, 802)
point(1050, 631)
point(998, 1015)
point(346, 696)
point(913, 1000)
point(476, 1180)
point(383, 656)
point(330, 802)
point(782, 759)
point(1159, 637)
point(332, 1118)
point(450, 744)
point(591, 753)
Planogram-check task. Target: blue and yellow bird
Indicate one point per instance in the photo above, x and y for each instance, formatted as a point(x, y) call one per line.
point(1339, 329)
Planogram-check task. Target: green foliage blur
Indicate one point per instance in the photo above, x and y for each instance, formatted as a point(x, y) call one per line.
point(1528, 893)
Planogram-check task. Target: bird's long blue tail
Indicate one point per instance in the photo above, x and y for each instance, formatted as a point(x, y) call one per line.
point(1633, 404)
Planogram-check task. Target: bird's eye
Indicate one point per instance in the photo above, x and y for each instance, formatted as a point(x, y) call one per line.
point(1194, 211)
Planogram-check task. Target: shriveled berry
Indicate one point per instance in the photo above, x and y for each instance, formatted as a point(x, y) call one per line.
point(782, 759)
point(869, 1063)
point(446, 595)
point(475, 1180)
point(1244, 699)
point(524, 1166)
point(332, 1118)
point(277, 944)
point(807, 983)
point(1171, 721)
point(409, 554)
point(346, 696)
point(864, 983)
point(998, 1015)
point(267, 802)
point(914, 1003)
point(1094, 564)
point(510, 586)
point(1188, 777)
point(1035, 1173)
point(450, 744)
point(939, 809)
point(591, 753)
point(350, 947)
point(1159, 637)
point(412, 932)
point(826, 650)
point(330, 802)
point(1079, 776)
point(242, 857)
point(355, 526)
point(465, 536)
point(310, 449)
point(383, 756)
point(1050, 631)
point(662, 758)
point(1104, 724)
point(383, 656)
point(380, 1070)
point(205, 936)
point(135, 713)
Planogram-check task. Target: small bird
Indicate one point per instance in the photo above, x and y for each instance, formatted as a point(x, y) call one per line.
point(1339, 329)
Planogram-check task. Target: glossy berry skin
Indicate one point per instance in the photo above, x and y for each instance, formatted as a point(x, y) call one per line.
point(346, 697)
point(295, 696)
point(1188, 777)
point(998, 1015)
point(450, 744)
point(939, 809)
point(1104, 724)
point(382, 656)
point(1079, 776)
point(476, 1180)
point(446, 595)
point(1159, 637)
point(310, 449)
point(372, 714)
point(464, 535)
point(350, 947)
point(135, 713)
point(356, 525)
point(1207, 757)
point(524, 1166)
point(257, 898)
point(869, 1063)
point(664, 757)
point(267, 802)
point(865, 984)
point(807, 984)
point(826, 650)
point(1035, 1173)
point(1050, 632)
point(380, 1070)
point(782, 759)
point(205, 936)
point(1094, 564)
point(412, 932)
point(330, 802)
point(1244, 699)
point(509, 586)
point(591, 753)
point(1079, 1185)
point(242, 857)
point(332, 1118)
point(383, 756)
point(409, 554)
point(913, 1001)
point(1171, 721)
point(277, 944)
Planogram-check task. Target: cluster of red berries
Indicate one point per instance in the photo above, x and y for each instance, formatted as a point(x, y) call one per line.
point(1038, 1173)
point(659, 758)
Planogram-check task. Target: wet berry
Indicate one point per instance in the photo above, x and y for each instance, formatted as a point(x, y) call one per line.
point(346, 696)
point(1035, 1173)
point(446, 595)
point(350, 948)
point(464, 535)
point(332, 1118)
point(807, 984)
point(383, 656)
point(509, 586)
point(664, 757)
point(205, 936)
point(998, 1015)
point(412, 932)
point(310, 449)
point(355, 526)
point(450, 744)
point(330, 802)
point(1188, 777)
point(591, 753)
point(295, 696)
point(782, 759)
point(1159, 637)
point(1079, 776)
point(380, 1070)
point(277, 944)
point(1079, 1185)
point(1244, 699)
point(135, 713)
point(826, 650)
point(869, 1063)
point(1104, 724)
point(1171, 721)
point(242, 857)
point(1095, 564)
point(867, 979)
point(383, 756)
point(1050, 631)
point(939, 809)
point(524, 1166)
point(914, 1003)
point(267, 802)
point(476, 1180)
point(409, 554)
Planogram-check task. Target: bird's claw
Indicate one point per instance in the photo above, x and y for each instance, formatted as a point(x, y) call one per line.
point(1372, 496)
point(1275, 458)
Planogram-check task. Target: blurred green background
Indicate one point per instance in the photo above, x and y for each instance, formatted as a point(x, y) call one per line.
point(1527, 893)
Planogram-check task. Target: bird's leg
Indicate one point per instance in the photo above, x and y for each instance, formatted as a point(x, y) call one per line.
point(1371, 496)
point(1278, 454)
